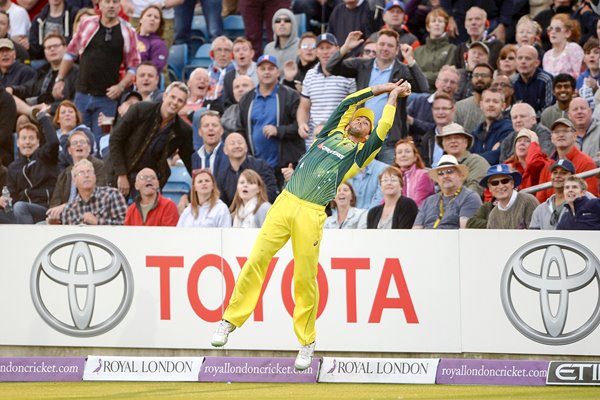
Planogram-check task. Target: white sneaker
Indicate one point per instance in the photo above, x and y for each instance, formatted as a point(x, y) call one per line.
point(304, 357)
point(219, 338)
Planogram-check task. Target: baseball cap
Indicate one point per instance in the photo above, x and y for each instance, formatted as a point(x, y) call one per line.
point(6, 44)
point(564, 164)
point(480, 44)
point(394, 3)
point(327, 37)
point(562, 121)
point(267, 58)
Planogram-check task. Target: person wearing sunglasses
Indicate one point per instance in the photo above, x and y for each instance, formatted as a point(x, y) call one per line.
point(565, 56)
point(285, 37)
point(513, 209)
point(452, 207)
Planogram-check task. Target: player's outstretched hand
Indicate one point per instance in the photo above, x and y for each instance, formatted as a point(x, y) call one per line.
point(403, 90)
point(386, 87)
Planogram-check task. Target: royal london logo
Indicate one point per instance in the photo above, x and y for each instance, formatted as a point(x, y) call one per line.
point(330, 151)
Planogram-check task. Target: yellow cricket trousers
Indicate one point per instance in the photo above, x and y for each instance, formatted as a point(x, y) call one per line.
point(303, 221)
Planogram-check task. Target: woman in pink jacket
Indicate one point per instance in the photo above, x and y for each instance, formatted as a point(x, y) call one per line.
point(417, 184)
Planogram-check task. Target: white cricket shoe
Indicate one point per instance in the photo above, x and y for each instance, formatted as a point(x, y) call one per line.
point(220, 336)
point(304, 357)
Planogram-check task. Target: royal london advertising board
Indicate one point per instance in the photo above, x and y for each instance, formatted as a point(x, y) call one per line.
point(165, 287)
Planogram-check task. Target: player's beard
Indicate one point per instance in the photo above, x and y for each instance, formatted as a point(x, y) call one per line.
point(356, 132)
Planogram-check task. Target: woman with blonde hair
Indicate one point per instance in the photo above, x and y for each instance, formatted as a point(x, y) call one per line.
point(250, 202)
point(205, 210)
point(416, 182)
point(566, 56)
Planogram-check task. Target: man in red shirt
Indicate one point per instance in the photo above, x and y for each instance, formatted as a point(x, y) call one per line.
point(150, 208)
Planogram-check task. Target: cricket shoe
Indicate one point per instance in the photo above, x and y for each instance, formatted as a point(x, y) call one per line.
point(220, 336)
point(304, 357)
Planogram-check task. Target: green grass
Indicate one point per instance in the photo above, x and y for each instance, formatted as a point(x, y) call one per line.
point(263, 391)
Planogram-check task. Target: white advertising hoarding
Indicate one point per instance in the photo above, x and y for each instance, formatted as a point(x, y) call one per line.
point(151, 369)
point(378, 370)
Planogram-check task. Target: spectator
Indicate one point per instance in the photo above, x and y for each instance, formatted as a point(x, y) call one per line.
point(206, 210)
point(103, 40)
point(79, 147)
point(149, 37)
point(397, 211)
point(68, 120)
point(56, 17)
point(416, 182)
point(32, 176)
point(587, 20)
point(93, 204)
point(507, 62)
point(499, 14)
point(564, 138)
point(12, 72)
point(148, 134)
point(147, 79)
point(8, 118)
point(477, 53)
point(547, 214)
point(210, 155)
point(366, 185)
point(468, 111)
point(566, 55)
point(582, 213)
point(221, 52)
point(533, 85)
point(39, 89)
point(475, 25)
point(587, 128)
point(503, 84)
point(523, 117)
point(564, 90)
point(349, 16)
point(528, 158)
point(236, 151)
point(295, 72)
point(231, 117)
point(443, 110)
point(20, 23)
point(285, 37)
point(199, 86)
point(543, 18)
point(489, 135)
point(420, 116)
point(384, 68)
point(456, 142)
point(256, 14)
point(513, 209)
point(150, 207)
point(394, 17)
point(344, 213)
point(250, 204)
point(369, 49)
point(184, 14)
point(321, 91)
point(455, 204)
point(587, 81)
point(268, 115)
point(529, 32)
point(317, 10)
point(22, 54)
point(437, 50)
point(244, 65)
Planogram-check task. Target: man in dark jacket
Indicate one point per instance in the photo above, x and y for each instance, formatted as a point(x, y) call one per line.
point(387, 64)
point(8, 117)
point(56, 16)
point(268, 116)
point(147, 135)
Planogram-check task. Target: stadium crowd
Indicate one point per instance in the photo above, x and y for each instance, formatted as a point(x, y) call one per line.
point(504, 98)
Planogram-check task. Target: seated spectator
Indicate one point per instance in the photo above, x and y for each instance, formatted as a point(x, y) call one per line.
point(563, 88)
point(149, 34)
point(586, 128)
point(244, 65)
point(366, 185)
point(285, 37)
point(587, 81)
point(56, 17)
point(210, 154)
point(582, 213)
point(513, 209)
point(369, 49)
point(205, 210)
point(503, 84)
point(8, 118)
point(32, 176)
point(231, 117)
point(443, 109)
point(12, 72)
point(566, 55)
point(353, 15)
point(437, 50)
point(294, 72)
point(507, 62)
point(394, 17)
point(468, 111)
point(476, 24)
point(250, 204)
point(221, 52)
point(477, 53)
point(533, 85)
point(20, 22)
point(150, 208)
point(93, 205)
point(489, 135)
point(397, 211)
point(22, 54)
point(79, 147)
point(199, 86)
point(68, 120)
point(455, 204)
point(147, 80)
point(416, 182)
point(344, 214)
point(107, 123)
point(528, 158)
point(39, 89)
point(236, 151)
point(456, 142)
point(522, 116)
point(528, 33)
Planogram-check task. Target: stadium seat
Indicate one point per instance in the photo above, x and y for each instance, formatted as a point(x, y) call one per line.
point(178, 58)
point(199, 28)
point(179, 183)
point(233, 26)
point(201, 60)
point(301, 23)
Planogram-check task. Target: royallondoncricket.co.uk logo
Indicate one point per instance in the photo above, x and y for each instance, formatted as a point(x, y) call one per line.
point(553, 278)
point(82, 264)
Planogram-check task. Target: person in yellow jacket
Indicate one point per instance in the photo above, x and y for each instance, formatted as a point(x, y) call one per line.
point(344, 146)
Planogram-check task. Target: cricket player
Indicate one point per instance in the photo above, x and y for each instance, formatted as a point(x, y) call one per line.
point(348, 142)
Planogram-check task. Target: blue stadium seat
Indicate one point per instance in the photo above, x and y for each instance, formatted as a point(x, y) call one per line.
point(178, 59)
point(179, 183)
point(201, 60)
point(301, 23)
point(233, 26)
point(199, 27)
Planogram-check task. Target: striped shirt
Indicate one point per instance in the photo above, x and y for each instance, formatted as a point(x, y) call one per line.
point(106, 203)
point(325, 94)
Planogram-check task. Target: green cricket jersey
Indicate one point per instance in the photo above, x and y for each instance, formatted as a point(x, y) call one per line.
point(333, 157)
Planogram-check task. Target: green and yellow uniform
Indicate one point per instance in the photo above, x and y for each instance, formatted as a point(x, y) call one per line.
point(299, 213)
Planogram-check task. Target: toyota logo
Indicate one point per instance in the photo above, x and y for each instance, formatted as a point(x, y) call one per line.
point(82, 264)
point(559, 283)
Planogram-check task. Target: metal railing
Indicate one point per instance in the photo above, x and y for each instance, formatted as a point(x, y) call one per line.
point(548, 185)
